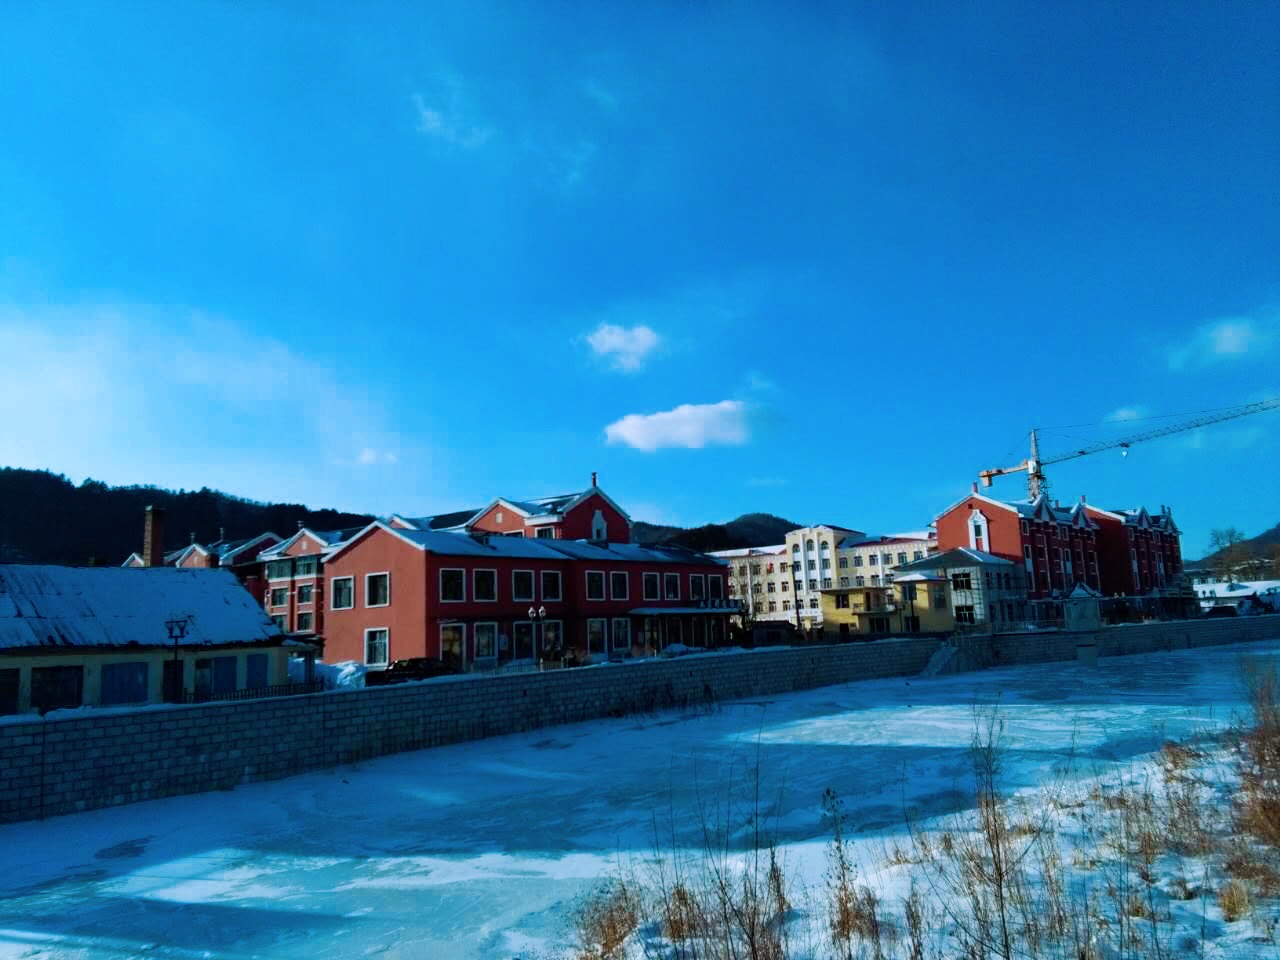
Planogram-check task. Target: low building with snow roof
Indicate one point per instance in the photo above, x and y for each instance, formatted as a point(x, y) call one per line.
point(104, 636)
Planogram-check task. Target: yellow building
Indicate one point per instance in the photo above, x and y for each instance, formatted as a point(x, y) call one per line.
point(914, 603)
point(104, 636)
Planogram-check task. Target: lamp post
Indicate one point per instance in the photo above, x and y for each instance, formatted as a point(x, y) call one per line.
point(538, 617)
point(177, 628)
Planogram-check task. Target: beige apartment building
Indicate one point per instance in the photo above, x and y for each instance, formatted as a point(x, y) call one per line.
point(873, 561)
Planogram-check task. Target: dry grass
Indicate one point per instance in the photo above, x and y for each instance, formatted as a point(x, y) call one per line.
point(1234, 900)
point(605, 920)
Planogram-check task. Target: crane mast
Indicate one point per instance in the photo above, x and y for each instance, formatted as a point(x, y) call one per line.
point(1033, 466)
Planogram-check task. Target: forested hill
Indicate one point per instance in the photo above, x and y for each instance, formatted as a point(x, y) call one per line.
point(45, 518)
point(749, 530)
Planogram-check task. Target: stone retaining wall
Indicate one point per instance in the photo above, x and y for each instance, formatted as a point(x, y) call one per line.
point(61, 765)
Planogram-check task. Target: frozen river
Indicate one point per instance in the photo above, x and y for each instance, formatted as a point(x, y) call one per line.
point(477, 850)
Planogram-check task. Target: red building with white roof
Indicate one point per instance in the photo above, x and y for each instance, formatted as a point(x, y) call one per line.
point(1127, 553)
point(479, 600)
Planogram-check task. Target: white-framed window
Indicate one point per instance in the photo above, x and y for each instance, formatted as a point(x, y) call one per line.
point(453, 642)
point(342, 593)
point(304, 622)
point(377, 589)
point(453, 585)
point(619, 587)
point(652, 587)
point(304, 592)
point(697, 587)
point(597, 632)
point(595, 584)
point(873, 560)
point(377, 647)
point(484, 586)
point(279, 596)
point(279, 620)
point(486, 640)
point(552, 636)
point(621, 633)
point(551, 585)
point(521, 585)
point(545, 533)
point(715, 587)
point(671, 586)
point(857, 559)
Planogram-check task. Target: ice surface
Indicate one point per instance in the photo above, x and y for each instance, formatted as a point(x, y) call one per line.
point(477, 850)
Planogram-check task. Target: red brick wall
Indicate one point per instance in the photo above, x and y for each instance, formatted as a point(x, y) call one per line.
point(577, 522)
point(511, 522)
point(1002, 525)
point(405, 617)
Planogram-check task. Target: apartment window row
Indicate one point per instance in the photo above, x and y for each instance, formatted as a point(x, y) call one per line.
point(293, 567)
point(484, 585)
point(377, 591)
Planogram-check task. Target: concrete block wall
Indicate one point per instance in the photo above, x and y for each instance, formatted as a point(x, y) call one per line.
point(55, 766)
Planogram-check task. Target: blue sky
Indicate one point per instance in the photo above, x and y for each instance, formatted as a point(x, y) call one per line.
point(825, 263)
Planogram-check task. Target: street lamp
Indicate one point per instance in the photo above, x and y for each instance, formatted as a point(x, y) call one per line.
point(177, 631)
point(538, 616)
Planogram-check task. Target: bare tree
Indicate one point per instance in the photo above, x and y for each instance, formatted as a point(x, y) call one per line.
point(1227, 551)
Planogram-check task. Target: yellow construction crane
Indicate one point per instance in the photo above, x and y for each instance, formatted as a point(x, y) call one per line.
point(1034, 465)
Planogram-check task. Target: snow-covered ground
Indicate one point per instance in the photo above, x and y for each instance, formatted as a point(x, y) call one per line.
point(478, 850)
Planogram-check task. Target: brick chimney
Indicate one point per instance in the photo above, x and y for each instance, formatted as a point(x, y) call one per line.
point(593, 479)
point(153, 538)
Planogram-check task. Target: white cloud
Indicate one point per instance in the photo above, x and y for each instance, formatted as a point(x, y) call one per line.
point(1124, 414)
point(131, 393)
point(1224, 339)
point(369, 456)
point(689, 425)
point(449, 124)
point(625, 347)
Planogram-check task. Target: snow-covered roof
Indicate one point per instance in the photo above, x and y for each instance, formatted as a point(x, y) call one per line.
point(956, 557)
point(452, 544)
point(439, 521)
point(741, 552)
point(57, 607)
point(329, 539)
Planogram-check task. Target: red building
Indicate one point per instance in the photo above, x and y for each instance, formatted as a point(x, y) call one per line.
point(476, 599)
point(1129, 553)
point(241, 557)
point(587, 515)
point(293, 587)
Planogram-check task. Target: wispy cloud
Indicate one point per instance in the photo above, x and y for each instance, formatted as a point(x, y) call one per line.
point(690, 425)
point(601, 96)
point(133, 392)
point(626, 348)
point(1125, 414)
point(1225, 339)
point(448, 120)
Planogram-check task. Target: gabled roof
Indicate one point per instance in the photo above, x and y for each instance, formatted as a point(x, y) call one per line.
point(551, 508)
point(440, 521)
point(452, 544)
point(60, 607)
point(329, 540)
point(956, 557)
point(228, 550)
point(129, 560)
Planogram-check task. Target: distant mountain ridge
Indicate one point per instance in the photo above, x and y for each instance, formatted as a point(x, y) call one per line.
point(45, 518)
point(1253, 548)
point(748, 530)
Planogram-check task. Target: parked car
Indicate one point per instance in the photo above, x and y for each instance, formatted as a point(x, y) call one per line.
point(1223, 611)
point(415, 668)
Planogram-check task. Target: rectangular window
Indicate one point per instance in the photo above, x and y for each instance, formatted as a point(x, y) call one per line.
point(813, 584)
point(522, 640)
point(813, 564)
point(279, 569)
point(844, 581)
point(826, 583)
point(453, 585)
point(342, 593)
point(376, 647)
point(939, 598)
point(255, 670)
point(857, 559)
point(902, 558)
point(215, 675)
point(886, 559)
point(715, 587)
point(859, 581)
point(486, 638)
point(550, 584)
point(304, 593)
point(842, 563)
point(552, 638)
point(596, 636)
point(56, 688)
point(306, 567)
point(484, 586)
point(377, 589)
point(453, 639)
point(965, 614)
point(961, 581)
point(813, 603)
point(305, 621)
point(546, 533)
point(522, 585)
point(9, 678)
point(279, 596)
point(772, 586)
point(278, 619)
point(651, 587)
point(621, 634)
point(618, 587)
point(697, 587)
point(842, 601)
point(124, 683)
point(773, 606)
point(671, 586)
point(595, 584)
point(786, 604)
point(917, 555)
point(872, 560)
point(786, 585)
point(826, 563)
